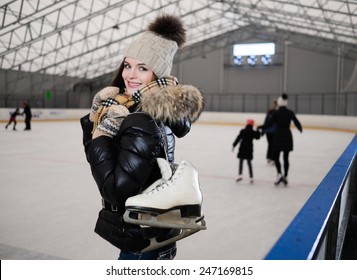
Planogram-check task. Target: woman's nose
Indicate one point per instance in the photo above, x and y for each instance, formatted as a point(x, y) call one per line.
point(132, 73)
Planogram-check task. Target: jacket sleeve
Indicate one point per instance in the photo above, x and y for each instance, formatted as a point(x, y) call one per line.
point(122, 166)
point(171, 143)
point(178, 129)
point(87, 127)
point(296, 122)
point(181, 127)
point(268, 121)
point(238, 138)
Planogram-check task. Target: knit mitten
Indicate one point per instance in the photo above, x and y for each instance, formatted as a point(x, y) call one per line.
point(110, 124)
point(102, 95)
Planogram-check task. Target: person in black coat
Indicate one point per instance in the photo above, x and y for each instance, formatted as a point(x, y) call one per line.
point(270, 131)
point(133, 122)
point(245, 151)
point(283, 138)
point(28, 115)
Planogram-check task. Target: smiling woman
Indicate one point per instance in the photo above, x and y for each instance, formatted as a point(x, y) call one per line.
point(132, 123)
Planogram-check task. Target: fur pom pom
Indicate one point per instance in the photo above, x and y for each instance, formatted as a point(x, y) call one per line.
point(169, 27)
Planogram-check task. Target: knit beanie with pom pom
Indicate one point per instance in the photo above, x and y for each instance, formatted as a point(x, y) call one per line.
point(157, 46)
point(283, 100)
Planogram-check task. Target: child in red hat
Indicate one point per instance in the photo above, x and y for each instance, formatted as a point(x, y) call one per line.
point(245, 151)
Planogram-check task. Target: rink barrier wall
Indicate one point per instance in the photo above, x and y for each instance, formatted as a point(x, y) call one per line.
point(342, 123)
point(319, 229)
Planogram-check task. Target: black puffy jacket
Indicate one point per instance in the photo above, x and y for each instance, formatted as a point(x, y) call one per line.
point(125, 165)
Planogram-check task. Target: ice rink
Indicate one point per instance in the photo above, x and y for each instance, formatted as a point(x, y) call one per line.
point(49, 202)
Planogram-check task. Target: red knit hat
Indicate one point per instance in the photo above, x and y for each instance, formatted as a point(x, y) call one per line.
point(250, 122)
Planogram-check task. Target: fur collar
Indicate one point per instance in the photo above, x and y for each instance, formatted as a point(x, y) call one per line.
point(172, 103)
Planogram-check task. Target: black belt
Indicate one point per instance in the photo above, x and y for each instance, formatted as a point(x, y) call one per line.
point(108, 206)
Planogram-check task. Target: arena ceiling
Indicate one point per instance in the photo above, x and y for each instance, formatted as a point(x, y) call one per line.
point(86, 38)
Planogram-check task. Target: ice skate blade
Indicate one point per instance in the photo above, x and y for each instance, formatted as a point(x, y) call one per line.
point(155, 244)
point(193, 210)
point(278, 182)
point(171, 219)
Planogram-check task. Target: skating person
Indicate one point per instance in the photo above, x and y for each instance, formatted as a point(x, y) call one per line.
point(149, 110)
point(269, 132)
point(283, 138)
point(12, 119)
point(28, 115)
point(245, 151)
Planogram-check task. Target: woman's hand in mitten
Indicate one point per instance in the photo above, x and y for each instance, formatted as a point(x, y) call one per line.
point(102, 95)
point(110, 124)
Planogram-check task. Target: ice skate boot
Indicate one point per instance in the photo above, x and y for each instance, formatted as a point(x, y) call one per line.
point(175, 203)
point(240, 178)
point(166, 174)
point(285, 181)
point(279, 179)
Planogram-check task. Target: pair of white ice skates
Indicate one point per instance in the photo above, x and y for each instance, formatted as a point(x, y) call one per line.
point(174, 201)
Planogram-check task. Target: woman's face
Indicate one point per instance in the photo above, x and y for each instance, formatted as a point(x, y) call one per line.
point(136, 74)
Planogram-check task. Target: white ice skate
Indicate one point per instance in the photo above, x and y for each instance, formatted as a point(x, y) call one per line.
point(173, 203)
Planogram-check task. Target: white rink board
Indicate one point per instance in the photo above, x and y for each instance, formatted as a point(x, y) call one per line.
point(347, 123)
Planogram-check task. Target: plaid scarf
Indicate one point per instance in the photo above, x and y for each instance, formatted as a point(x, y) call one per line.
point(127, 101)
point(160, 83)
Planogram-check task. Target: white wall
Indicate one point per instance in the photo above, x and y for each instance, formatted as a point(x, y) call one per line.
point(345, 123)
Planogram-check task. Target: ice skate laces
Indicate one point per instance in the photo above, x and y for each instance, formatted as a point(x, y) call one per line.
point(173, 179)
